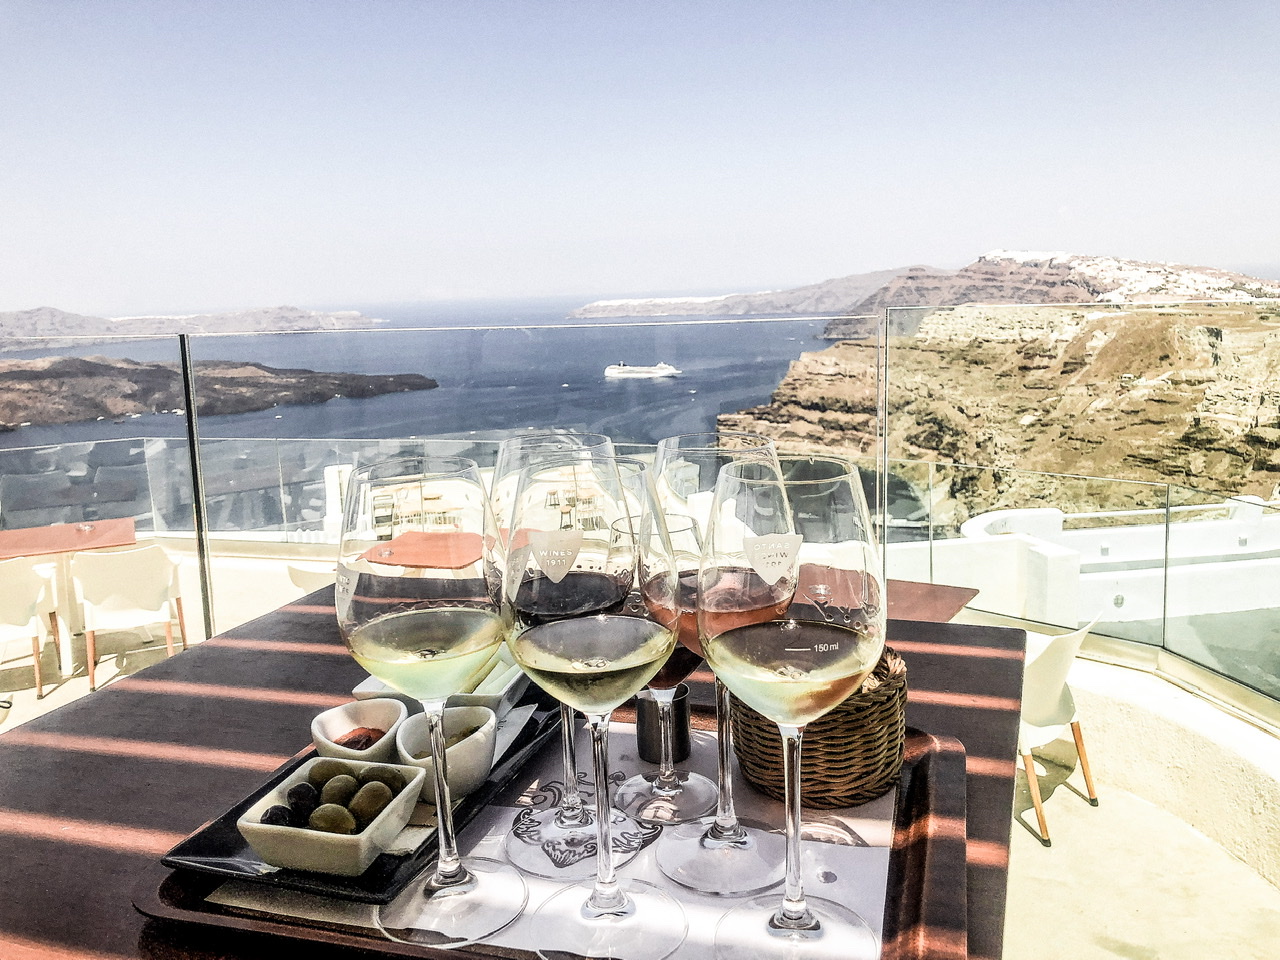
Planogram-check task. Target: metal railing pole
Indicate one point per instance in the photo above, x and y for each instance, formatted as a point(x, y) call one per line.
point(197, 484)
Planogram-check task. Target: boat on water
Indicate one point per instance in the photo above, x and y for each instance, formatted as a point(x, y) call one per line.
point(621, 371)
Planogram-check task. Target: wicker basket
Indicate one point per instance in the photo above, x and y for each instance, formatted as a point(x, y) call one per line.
point(850, 756)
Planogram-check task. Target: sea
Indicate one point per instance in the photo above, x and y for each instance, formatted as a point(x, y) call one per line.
point(501, 366)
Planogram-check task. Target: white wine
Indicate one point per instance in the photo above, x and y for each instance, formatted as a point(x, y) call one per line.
point(427, 653)
point(593, 664)
point(792, 671)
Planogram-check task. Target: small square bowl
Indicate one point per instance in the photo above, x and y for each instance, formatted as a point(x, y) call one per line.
point(347, 855)
point(469, 761)
point(383, 713)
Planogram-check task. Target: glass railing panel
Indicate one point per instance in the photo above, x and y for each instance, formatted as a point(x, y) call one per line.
point(1054, 549)
point(273, 475)
point(1223, 606)
point(104, 442)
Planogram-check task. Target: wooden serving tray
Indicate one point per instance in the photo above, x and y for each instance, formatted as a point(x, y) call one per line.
point(925, 914)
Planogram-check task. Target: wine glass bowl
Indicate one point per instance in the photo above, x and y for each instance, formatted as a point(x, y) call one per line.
point(415, 609)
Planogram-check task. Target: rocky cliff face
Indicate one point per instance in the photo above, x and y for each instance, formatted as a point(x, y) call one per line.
point(1028, 277)
point(68, 389)
point(1188, 396)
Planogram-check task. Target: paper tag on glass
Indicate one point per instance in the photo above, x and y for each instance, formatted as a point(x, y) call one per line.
point(773, 556)
point(554, 551)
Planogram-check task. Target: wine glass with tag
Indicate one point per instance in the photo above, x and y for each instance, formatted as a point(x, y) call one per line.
point(791, 613)
point(557, 842)
point(416, 610)
point(591, 592)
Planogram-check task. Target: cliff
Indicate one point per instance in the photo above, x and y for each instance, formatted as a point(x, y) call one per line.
point(68, 389)
point(1004, 276)
point(1173, 395)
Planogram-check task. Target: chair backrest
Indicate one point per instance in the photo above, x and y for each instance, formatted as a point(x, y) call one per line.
point(124, 588)
point(1046, 699)
point(23, 589)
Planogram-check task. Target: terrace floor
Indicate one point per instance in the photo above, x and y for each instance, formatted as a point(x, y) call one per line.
point(1125, 879)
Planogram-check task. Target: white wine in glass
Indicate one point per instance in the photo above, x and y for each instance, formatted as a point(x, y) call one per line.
point(803, 529)
point(581, 634)
point(416, 610)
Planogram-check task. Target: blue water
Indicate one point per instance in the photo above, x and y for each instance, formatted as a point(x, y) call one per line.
point(494, 376)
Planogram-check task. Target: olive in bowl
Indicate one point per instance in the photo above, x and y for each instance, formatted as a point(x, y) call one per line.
point(334, 838)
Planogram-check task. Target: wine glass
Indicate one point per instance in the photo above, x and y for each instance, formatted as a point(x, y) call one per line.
point(584, 636)
point(557, 842)
point(671, 795)
point(718, 855)
point(416, 611)
point(791, 614)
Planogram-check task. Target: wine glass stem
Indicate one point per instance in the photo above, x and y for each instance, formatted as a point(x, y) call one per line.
point(607, 896)
point(448, 866)
point(726, 826)
point(571, 811)
point(667, 779)
point(793, 912)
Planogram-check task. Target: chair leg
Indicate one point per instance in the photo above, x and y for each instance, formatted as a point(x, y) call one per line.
point(168, 636)
point(91, 656)
point(57, 638)
point(182, 623)
point(1033, 782)
point(35, 659)
point(1084, 762)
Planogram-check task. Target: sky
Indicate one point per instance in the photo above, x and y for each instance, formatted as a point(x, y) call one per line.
point(180, 156)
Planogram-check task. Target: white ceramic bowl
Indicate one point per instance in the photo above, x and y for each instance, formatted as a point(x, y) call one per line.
point(384, 713)
point(469, 761)
point(347, 855)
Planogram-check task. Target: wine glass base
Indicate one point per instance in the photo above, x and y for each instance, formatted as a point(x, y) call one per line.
point(455, 917)
point(747, 933)
point(652, 927)
point(642, 798)
point(687, 854)
point(541, 847)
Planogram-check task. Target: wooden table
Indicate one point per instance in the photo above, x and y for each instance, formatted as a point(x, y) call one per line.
point(936, 602)
point(93, 793)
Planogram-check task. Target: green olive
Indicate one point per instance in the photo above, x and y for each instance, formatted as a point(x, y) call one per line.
point(322, 771)
point(370, 801)
point(381, 773)
point(339, 790)
point(332, 818)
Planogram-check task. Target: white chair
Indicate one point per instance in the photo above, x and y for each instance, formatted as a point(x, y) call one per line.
point(26, 599)
point(1048, 708)
point(124, 590)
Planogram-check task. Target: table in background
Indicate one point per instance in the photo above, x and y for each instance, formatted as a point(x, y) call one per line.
point(95, 792)
point(59, 541)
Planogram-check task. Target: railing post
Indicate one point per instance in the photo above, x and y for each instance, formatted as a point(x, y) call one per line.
point(197, 484)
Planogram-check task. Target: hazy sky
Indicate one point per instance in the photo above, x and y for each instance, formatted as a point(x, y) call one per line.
point(181, 155)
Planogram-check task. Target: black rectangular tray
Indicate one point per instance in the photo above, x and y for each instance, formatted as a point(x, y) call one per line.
point(925, 915)
point(219, 849)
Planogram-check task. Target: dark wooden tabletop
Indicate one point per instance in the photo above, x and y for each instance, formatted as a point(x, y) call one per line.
point(93, 793)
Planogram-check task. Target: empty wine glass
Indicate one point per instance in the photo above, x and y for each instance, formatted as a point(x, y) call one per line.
point(580, 634)
point(415, 609)
point(558, 842)
point(792, 620)
point(718, 855)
